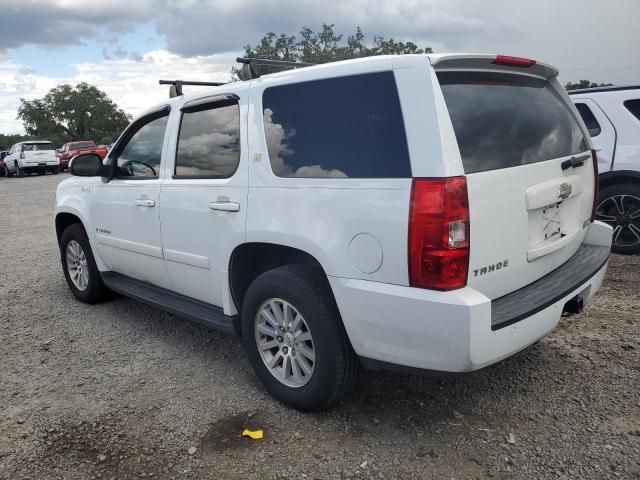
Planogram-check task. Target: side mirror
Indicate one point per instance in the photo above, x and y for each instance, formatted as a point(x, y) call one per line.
point(86, 165)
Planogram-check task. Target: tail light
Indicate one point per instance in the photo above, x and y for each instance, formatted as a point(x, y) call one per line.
point(439, 233)
point(513, 61)
point(596, 185)
point(22, 155)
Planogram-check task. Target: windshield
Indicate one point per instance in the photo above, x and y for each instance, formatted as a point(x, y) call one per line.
point(34, 147)
point(504, 120)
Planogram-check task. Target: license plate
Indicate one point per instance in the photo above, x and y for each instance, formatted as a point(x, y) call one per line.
point(551, 225)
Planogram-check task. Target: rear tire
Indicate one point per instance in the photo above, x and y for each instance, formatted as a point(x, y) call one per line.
point(75, 251)
point(305, 293)
point(620, 207)
point(19, 171)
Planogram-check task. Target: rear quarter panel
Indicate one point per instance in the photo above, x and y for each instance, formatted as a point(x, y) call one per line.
point(322, 216)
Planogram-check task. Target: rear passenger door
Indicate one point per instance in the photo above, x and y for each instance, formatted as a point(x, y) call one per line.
point(601, 131)
point(204, 197)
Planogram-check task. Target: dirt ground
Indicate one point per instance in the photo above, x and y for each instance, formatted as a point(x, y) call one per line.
point(121, 390)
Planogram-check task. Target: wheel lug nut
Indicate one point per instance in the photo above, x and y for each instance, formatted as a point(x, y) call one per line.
point(279, 338)
point(285, 349)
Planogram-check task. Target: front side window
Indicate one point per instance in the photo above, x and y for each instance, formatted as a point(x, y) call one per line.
point(346, 127)
point(141, 155)
point(633, 106)
point(209, 141)
point(589, 119)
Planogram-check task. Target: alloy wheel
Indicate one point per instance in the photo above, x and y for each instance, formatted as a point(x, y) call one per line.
point(622, 212)
point(285, 342)
point(77, 265)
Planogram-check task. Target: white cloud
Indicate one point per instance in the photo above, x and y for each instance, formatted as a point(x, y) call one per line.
point(18, 81)
point(133, 85)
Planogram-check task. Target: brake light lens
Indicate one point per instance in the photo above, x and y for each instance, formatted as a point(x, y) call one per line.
point(596, 185)
point(22, 155)
point(514, 61)
point(439, 233)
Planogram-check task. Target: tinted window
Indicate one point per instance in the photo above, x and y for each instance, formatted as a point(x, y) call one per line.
point(589, 119)
point(78, 146)
point(634, 107)
point(503, 120)
point(209, 142)
point(340, 127)
point(141, 155)
point(35, 147)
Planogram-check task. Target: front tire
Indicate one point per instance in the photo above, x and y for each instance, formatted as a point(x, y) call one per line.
point(295, 339)
point(79, 266)
point(620, 207)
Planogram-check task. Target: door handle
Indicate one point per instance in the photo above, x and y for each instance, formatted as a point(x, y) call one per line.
point(145, 202)
point(225, 206)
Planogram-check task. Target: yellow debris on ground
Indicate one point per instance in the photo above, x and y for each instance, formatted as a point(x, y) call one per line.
point(254, 434)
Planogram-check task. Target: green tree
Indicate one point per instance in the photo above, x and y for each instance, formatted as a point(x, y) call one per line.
point(324, 46)
point(585, 84)
point(7, 141)
point(67, 114)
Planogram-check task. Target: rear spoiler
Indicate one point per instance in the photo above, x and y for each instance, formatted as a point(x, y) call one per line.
point(501, 63)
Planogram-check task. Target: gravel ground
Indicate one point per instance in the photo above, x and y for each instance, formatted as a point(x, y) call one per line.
point(121, 390)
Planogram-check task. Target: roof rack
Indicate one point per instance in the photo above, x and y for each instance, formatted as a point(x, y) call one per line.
point(250, 65)
point(176, 85)
point(610, 88)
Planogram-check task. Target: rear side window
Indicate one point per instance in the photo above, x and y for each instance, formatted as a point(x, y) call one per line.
point(633, 106)
point(209, 141)
point(36, 147)
point(347, 127)
point(504, 120)
point(589, 119)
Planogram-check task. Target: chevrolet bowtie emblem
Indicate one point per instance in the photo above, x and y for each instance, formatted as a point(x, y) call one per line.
point(564, 191)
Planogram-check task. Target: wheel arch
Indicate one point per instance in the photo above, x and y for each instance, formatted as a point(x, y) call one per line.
point(250, 260)
point(65, 220)
point(607, 179)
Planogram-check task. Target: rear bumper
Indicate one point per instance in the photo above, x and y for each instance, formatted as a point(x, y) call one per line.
point(456, 331)
point(39, 168)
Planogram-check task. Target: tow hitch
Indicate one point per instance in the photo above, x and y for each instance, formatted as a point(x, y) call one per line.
point(575, 305)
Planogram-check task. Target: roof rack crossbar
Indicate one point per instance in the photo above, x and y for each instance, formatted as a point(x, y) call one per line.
point(176, 85)
point(254, 63)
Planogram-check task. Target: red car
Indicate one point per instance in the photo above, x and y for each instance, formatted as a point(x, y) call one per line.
point(2, 171)
point(71, 149)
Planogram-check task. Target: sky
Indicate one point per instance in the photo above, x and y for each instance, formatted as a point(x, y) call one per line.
point(125, 46)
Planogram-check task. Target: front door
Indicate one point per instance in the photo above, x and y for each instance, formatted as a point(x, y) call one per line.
point(204, 198)
point(125, 210)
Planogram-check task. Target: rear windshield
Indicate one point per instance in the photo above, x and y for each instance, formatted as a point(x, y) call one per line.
point(504, 120)
point(78, 146)
point(34, 147)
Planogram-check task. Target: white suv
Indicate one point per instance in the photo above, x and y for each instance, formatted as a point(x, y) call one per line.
point(612, 116)
point(413, 212)
point(31, 157)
